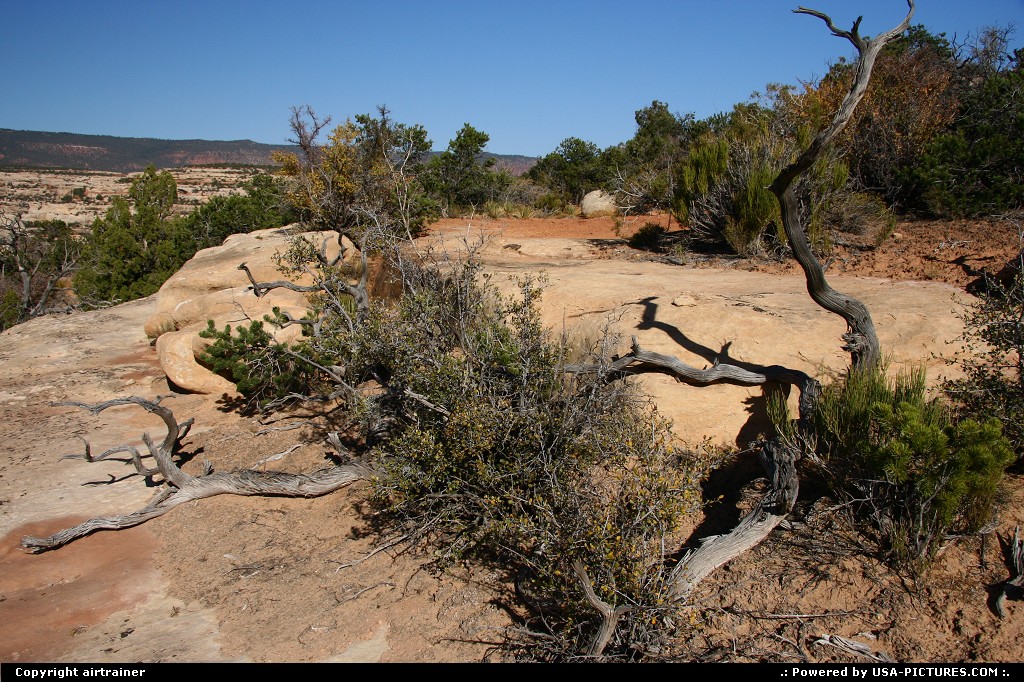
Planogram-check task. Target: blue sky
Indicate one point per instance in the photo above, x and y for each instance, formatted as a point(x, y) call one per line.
point(529, 73)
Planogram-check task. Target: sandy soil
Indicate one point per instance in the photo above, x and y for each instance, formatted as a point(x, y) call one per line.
point(242, 579)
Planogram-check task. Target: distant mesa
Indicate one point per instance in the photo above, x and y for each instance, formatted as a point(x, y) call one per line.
point(34, 149)
point(74, 151)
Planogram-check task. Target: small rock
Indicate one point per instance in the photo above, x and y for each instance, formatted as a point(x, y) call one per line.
point(684, 300)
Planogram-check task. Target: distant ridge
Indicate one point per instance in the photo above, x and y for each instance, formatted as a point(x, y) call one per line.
point(34, 149)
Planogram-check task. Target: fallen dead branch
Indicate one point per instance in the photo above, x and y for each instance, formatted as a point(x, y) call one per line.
point(178, 487)
point(1015, 554)
point(853, 647)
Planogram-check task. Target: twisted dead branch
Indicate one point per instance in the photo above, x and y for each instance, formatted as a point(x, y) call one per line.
point(609, 615)
point(1015, 553)
point(778, 456)
point(178, 487)
point(861, 340)
point(853, 647)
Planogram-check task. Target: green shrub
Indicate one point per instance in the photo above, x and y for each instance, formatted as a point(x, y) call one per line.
point(138, 244)
point(10, 308)
point(992, 364)
point(262, 369)
point(973, 168)
point(527, 467)
point(488, 450)
point(262, 206)
point(495, 209)
point(125, 256)
point(906, 464)
point(462, 177)
point(550, 202)
point(722, 190)
point(648, 237)
point(864, 215)
point(522, 211)
point(573, 169)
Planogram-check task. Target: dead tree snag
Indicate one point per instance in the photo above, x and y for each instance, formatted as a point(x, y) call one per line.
point(861, 341)
point(779, 456)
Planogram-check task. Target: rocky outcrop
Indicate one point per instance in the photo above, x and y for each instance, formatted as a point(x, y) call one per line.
point(598, 203)
point(211, 287)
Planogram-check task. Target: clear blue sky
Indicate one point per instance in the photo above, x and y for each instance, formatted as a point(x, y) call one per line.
point(529, 73)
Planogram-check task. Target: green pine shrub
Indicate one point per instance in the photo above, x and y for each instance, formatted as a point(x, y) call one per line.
point(648, 237)
point(992, 365)
point(906, 464)
point(262, 369)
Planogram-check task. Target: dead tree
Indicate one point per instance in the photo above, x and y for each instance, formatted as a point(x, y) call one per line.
point(778, 455)
point(1014, 550)
point(38, 259)
point(861, 341)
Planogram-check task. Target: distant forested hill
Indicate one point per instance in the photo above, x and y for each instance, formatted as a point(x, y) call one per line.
point(33, 149)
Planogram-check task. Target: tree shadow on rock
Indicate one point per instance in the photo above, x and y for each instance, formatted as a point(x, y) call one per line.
point(759, 422)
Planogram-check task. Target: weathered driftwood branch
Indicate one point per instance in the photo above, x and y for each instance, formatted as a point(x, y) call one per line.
point(861, 340)
point(181, 487)
point(162, 453)
point(853, 647)
point(1015, 552)
point(330, 286)
point(261, 288)
point(135, 458)
point(778, 458)
point(639, 361)
point(779, 461)
point(609, 615)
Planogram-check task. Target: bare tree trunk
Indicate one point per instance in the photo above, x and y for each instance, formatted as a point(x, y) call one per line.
point(777, 456)
point(861, 341)
point(779, 460)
